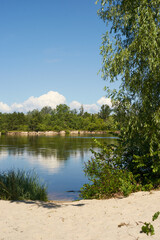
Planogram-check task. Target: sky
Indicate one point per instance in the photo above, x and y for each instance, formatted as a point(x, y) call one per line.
point(49, 55)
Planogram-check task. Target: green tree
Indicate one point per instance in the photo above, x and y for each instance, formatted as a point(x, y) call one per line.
point(104, 112)
point(134, 55)
point(62, 109)
point(35, 119)
point(46, 110)
point(81, 110)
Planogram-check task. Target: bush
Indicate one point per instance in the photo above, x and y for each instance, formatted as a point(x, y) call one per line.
point(20, 185)
point(58, 128)
point(106, 175)
point(92, 127)
point(3, 132)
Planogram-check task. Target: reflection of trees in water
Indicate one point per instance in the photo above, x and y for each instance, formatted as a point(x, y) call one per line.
point(62, 148)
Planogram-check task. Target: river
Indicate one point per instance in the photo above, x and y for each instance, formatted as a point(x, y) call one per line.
point(57, 160)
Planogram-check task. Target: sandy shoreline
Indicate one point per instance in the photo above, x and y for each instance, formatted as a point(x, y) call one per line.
point(85, 219)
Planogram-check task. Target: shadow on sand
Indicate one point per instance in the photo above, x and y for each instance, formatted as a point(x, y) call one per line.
point(49, 204)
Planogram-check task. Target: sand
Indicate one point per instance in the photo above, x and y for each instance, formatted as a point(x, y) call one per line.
point(84, 220)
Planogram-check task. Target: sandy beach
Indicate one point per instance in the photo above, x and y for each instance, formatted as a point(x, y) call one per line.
point(116, 218)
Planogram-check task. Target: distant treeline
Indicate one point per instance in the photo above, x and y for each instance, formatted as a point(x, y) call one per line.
point(60, 118)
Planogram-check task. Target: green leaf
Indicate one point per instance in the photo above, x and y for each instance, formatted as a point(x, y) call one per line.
point(155, 216)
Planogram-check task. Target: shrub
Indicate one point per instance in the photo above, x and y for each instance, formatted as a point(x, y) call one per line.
point(58, 128)
point(20, 185)
point(106, 175)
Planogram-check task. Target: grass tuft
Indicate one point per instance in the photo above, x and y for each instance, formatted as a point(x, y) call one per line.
point(21, 185)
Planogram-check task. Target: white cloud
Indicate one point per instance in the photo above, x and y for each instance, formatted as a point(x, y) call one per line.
point(4, 107)
point(52, 99)
point(91, 108)
point(17, 107)
point(75, 105)
point(104, 100)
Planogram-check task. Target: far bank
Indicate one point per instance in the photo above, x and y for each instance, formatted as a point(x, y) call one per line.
point(54, 133)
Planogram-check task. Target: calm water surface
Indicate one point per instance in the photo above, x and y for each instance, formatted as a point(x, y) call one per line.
point(58, 160)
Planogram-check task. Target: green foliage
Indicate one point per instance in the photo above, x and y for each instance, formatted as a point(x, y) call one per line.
point(60, 118)
point(147, 187)
point(92, 127)
point(155, 216)
point(104, 112)
point(3, 132)
point(106, 175)
point(134, 56)
point(148, 228)
point(134, 51)
point(20, 185)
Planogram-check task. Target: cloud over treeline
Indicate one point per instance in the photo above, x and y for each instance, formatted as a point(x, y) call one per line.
point(51, 99)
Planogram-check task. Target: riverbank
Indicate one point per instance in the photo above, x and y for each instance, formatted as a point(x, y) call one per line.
point(115, 219)
point(54, 133)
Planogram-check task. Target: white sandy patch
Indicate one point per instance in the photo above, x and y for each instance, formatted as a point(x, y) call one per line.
point(112, 219)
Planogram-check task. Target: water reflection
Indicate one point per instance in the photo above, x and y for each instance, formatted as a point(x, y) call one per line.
point(58, 160)
point(49, 163)
point(59, 147)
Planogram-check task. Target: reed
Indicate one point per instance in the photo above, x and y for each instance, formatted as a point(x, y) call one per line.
point(21, 185)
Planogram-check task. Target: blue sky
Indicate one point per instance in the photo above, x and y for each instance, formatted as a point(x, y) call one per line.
point(49, 47)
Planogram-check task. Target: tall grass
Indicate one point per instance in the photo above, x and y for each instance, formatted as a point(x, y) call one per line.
point(21, 185)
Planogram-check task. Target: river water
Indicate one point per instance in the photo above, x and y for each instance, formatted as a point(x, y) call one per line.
point(57, 160)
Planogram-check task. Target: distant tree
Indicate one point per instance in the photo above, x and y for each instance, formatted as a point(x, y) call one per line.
point(48, 119)
point(81, 110)
point(35, 119)
point(46, 110)
point(86, 115)
point(104, 112)
point(62, 109)
point(74, 111)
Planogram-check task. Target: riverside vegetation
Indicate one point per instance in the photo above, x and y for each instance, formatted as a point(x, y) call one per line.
point(60, 118)
point(20, 185)
point(134, 56)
